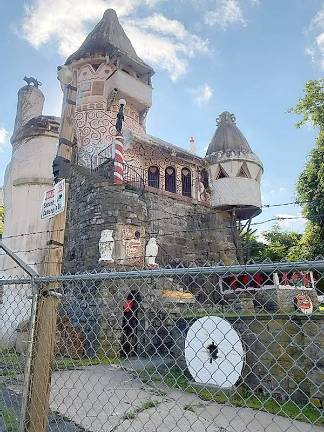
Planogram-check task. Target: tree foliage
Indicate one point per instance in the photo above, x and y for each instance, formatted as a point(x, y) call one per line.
point(276, 245)
point(311, 106)
point(310, 184)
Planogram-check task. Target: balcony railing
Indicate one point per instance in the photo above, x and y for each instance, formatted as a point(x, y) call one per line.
point(102, 164)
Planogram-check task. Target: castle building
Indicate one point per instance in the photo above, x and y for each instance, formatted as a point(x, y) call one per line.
point(134, 200)
point(156, 189)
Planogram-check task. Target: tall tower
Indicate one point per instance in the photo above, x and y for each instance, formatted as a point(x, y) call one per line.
point(108, 69)
point(234, 170)
point(28, 175)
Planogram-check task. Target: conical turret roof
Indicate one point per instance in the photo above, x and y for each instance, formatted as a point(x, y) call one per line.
point(107, 38)
point(228, 138)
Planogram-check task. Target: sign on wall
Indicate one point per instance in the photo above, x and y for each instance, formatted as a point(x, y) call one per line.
point(54, 201)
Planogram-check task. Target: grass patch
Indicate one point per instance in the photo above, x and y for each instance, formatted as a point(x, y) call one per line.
point(68, 363)
point(10, 363)
point(9, 419)
point(8, 373)
point(145, 406)
point(242, 397)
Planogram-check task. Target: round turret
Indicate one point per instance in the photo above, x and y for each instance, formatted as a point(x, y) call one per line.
point(234, 170)
point(30, 105)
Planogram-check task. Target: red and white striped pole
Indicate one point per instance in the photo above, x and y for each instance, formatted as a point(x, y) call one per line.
point(119, 146)
point(119, 160)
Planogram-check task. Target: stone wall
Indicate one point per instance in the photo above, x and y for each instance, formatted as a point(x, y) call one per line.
point(185, 232)
point(283, 354)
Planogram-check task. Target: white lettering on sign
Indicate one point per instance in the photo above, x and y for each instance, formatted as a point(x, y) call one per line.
point(54, 201)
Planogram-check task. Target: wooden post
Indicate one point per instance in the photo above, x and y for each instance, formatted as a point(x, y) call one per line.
point(37, 405)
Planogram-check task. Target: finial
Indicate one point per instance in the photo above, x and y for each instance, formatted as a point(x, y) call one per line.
point(109, 12)
point(31, 80)
point(225, 117)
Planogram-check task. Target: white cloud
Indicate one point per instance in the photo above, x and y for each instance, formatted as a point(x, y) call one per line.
point(203, 94)
point(3, 136)
point(225, 14)
point(316, 28)
point(160, 41)
point(164, 43)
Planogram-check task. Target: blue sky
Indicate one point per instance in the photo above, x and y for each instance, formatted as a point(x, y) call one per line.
point(250, 57)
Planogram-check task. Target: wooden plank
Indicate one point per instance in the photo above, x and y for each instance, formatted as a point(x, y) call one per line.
point(37, 405)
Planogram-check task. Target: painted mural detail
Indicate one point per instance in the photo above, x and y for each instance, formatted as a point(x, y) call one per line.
point(95, 125)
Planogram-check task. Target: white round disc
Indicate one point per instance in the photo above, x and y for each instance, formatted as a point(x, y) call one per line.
point(214, 352)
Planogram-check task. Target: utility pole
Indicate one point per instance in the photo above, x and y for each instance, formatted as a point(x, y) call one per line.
point(35, 415)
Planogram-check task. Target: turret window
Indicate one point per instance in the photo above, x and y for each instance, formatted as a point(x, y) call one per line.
point(221, 173)
point(244, 171)
point(186, 182)
point(153, 177)
point(170, 180)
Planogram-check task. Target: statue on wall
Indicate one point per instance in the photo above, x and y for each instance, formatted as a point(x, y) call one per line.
point(32, 80)
point(106, 246)
point(151, 252)
point(120, 116)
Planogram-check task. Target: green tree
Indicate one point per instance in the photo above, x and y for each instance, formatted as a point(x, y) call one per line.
point(310, 184)
point(311, 106)
point(276, 245)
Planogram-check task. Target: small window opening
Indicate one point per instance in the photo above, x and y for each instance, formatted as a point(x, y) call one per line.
point(170, 180)
point(244, 171)
point(221, 173)
point(153, 177)
point(186, 182)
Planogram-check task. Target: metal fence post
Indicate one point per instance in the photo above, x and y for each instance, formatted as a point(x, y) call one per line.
point(30, 347)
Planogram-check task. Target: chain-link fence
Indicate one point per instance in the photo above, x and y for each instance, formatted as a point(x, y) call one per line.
point(228, 349)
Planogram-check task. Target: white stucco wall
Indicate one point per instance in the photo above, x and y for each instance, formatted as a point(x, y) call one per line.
point(28, 176)
point(235, 192)
point(30, 105)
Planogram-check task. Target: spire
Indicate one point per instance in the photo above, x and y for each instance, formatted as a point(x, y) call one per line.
point(107, 38)
point(228, 137)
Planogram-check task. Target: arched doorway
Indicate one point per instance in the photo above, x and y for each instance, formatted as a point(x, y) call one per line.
point(131, 321)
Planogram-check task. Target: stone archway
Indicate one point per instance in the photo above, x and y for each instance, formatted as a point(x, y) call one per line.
point(130, 325)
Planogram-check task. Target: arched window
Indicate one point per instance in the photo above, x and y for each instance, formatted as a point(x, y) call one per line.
point(186, 182)
point(170, 179)
point(153, 177)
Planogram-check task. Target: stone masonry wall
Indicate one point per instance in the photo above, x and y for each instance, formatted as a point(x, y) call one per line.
point(184, 232)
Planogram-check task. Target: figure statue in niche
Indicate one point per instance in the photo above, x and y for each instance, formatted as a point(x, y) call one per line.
point(106, 246)
point(151, 252)
point(120, 116)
